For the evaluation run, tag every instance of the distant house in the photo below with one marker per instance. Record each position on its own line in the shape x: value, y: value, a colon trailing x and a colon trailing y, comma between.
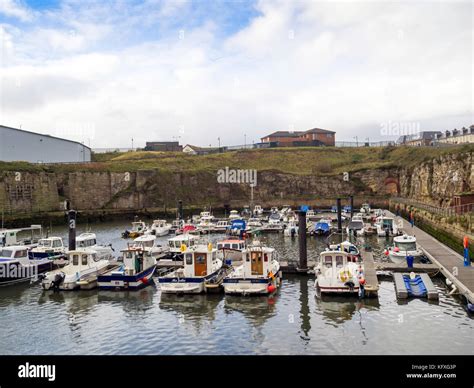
x: 311, y: 137
x: 424, y: 138
x: 172, y: 146
x: 464, y: 135
x: 195, y: 150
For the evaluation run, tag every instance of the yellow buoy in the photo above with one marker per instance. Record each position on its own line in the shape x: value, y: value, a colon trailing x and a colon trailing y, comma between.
x: 183, y: 247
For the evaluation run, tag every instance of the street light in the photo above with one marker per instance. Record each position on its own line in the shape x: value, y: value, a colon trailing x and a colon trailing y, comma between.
x: 245, y: 140
x: 132, y: 144
x: 357, y: 141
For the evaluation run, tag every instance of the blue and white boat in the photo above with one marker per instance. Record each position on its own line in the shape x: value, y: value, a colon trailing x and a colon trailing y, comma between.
x: 259, y: 273
x: 16, y: 267
x: 138, y: 266
x: 51, y: 248
x: 322, y: 227
x: 201, y: 267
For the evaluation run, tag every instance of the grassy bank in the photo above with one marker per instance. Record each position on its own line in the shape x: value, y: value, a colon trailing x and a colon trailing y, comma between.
x: 301, y: 161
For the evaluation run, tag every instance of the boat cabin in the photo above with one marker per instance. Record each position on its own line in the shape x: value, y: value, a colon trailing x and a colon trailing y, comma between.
x: 14, y: 252
x: 83, y: 259
x: 334, y: 259
x: 182, y: 241
x: 345, y: 246
x: 143, y: 242
x: 234, y: 245
x: 158, y: 224
x: 355, y: 225
x: 21, y: 236
x: 199, y: 260
x: 85, y: 240
x: 137, y: 259
x: 385, y: 222
x: 257, y: 260
x: 138, y: 226
x: 51, y: 243
x: 405, y: 243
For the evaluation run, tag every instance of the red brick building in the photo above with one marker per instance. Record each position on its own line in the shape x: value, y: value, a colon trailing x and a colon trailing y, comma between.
x: 311, y: 137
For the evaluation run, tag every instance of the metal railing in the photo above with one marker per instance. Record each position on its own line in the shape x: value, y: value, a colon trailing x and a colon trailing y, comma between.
x: 442, y: 211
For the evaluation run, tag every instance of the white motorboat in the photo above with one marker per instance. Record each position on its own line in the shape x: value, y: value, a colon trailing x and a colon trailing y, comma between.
x: 355, y: 227
x: 346, y: 246
x: 338, y: 272
x: 234, y: 215
x: 89, y: 241
x: 139, y: 261
x: 28, y: 237
x: 258, y: 274
x: 365, y: 209
x: 386, y: 226
x: 254, y: 223
x: 178, y: 244
x: 222, y: 226
x: 322, y: 227
x: 206, y: 219
x: 138, y: 228
x: 16, y: 266
x: 84, y: 267
x: 311, y: 215
x: 50, y: 247
x: 291, y: 229
x: 257, y: 211
x: 160, y: 228
x: 201, y: 266
x: 403, y: 247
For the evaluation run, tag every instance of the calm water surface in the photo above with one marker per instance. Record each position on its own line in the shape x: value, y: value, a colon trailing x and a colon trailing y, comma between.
x: 292, y: 322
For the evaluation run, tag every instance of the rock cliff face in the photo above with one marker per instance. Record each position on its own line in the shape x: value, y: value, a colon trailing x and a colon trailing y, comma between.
x: 435, y: 181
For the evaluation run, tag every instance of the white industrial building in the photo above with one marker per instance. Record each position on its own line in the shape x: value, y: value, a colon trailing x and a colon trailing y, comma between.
x: 20, y: 145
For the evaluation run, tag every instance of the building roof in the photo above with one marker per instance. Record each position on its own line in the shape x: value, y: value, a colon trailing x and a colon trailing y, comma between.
x: 44, y: 135
x: 297, y: 133
x: 196, y: 148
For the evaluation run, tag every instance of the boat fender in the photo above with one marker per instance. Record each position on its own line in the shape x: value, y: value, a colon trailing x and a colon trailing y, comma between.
x: 271, y: 288
x: 350, y: 284
x: 470, y: 307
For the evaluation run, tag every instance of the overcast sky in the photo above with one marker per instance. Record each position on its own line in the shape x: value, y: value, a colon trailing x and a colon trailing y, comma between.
x: 103, y: 72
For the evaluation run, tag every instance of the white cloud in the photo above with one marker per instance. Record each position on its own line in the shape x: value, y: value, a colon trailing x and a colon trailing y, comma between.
x: 342, y: 66
x: 15, y: 9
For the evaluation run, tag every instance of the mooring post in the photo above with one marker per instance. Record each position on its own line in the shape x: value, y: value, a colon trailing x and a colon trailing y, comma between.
x: 352, y: 205
x: 180, y: 209
x: 303, y: 263
x: 339, y: 217
x: 71, y: 221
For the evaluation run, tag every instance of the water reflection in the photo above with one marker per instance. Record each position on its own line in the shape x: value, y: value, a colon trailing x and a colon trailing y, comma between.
x: 132, y: 302
x: 338, y: 309
x: 256, y: 309
x: 195, y: 308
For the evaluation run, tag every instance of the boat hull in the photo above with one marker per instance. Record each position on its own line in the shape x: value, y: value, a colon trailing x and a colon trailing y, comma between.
x: 255, y: 286
x: 13, y: 273
x: 125, y: 282
x: 182, y: 285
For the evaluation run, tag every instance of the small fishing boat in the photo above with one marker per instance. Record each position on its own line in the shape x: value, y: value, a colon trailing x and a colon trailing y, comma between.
x: 257, y: 211
x: 230, y: 251
x: 338, y: 272
x: 206, y: 219
x: 346, y: 246
x: 201, y: 267
x: 179, y: 243
x: 138, y: 228
x: 234, y: 215
x: 246, y: 212
x: 160, y: 228
x: 386, y: 226
x: 254, y: 223
x: 137, y: 268
x: 188, y: 228
x: 291, y: 230
x: 81, y: 272
x: 259, y: 274
x: 28, y: 237
x: 17, y: 267
x: 50, y: 247
x: 274, y: 223
x: 403, y: 247
x: 311, y: 215
x: 323, y: 227
x: 89, y: 241
x: 221, y: 226
x: 355, y: 227
x: 365, y: 209
x: 176, y: 225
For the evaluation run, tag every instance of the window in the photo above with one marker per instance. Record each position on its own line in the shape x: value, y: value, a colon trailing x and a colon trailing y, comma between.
x: 189, y: 258
x: 248, y: 257
x: 75, y: 260
x: 84, y: 260
x: 265, y: 257
x: 20, y: 254
x: 57, y: 244
x: 328, y: 261
x: 339, y: 261
x: 235, y: 246
x: 6, y: 253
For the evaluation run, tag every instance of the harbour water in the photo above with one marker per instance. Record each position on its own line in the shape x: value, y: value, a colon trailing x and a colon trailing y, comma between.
x: 294, y: 321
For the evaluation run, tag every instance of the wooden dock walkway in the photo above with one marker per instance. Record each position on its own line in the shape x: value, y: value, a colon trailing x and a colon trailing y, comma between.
x: 371, y: 281
x: 449, y: 262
